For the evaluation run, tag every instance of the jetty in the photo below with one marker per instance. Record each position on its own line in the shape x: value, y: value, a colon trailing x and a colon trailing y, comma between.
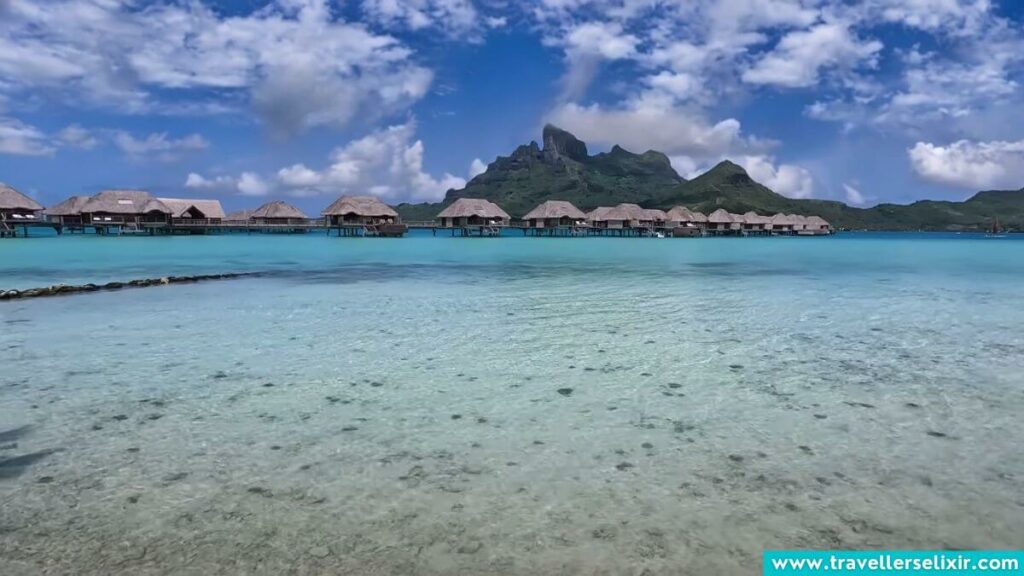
x: 119, y: 212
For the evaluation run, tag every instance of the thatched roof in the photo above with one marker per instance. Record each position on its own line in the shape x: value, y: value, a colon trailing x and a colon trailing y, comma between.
x: 11, y: 199
x: 817, y: 222
x: 781, y: 219
x: 653, y: 215
x: 755, y: 218
x: 679, y: 214
x: 555, y: 209
x: 124, y: 202
x: 70, y: 207
x: 699, y: 217
x: 720, y: 216
x: 239, y: 215
x: 466, y: 207
x: 180, y: 206
x: 634, y: 210
x: 277, y: 209
x: 360, y: 206
x: 605, y: 214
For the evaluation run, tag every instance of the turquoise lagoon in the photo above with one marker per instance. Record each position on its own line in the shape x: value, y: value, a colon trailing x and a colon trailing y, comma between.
x: 507, y: 406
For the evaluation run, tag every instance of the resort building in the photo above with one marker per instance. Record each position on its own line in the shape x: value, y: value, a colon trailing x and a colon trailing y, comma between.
x: 278, y: 212
x: 238, y: 216
x: 799, y: 223
x: 754, y: 223
x: 781, y: 224
x: 188, y: 211
x: 359, y: 211
x: 679, y: 216
x: 720, y: 222
x: 649, y: 218
x: 473, y: 212
x: 68, y: 212
x: 17, y: 208
x: 684, y: 223
x: 555, y: 214
x: 817, y: 225
x: 614, y: 218
x: 699, y: 219
x: 125, y: 209
x: 363, y: 216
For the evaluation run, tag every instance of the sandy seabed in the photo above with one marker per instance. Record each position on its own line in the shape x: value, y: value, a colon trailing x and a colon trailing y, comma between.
x: 585, y: 429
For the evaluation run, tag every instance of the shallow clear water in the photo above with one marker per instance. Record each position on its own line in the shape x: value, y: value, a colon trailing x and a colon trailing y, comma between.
x: 404, y: 406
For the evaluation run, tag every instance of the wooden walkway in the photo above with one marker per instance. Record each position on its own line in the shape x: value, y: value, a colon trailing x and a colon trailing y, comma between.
x: 11, y: 229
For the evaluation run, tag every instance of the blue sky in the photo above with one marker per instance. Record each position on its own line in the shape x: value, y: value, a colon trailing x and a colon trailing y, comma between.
x: 246, y: 100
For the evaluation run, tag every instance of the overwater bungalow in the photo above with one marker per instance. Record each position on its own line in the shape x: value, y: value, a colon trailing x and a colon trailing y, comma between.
x: 799, y: 223
x: 636, y: 213
x: 610, y: 218
x: 126, y: 210
x: 474, y: 215
x: 650, y: 218
x: 278, y: 212
x: 16, y: 208
x: 817, y: 225
x: 699, y: 219
x: 683, y: 223
x: 186, y: 212
x: 781, y: 224
x: 363, y: 216
x: 737, y: 223
x: 359, y: 211
x: 720, y: 222
x: 238, y: 217
x: 68, y: 212
x: 679, y: 216
x: 553, y: 214
x: 754, y: 223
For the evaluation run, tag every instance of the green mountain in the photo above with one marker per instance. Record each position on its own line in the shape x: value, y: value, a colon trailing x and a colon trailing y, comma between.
x: 563, y: 170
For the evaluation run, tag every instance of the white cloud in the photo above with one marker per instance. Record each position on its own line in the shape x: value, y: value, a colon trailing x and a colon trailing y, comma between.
x: 646, y: 124
x: 476, y: 168
x: 20, y: 139
x: 786, y: 179
x: 854, y: 196
x: 159, y: 144
x: 250, y: 184
x: 957, y: 16
x: 799, y: 57
x: 605, y: 39
x: 496, y: 21
x: 970, y: 164
x: 197, y: 181
x: 77, y: 137
x: 452, y: 16
x: 298, y: 176
x: 295, y: 61
x: 937, y: 88
x: 386, y: 163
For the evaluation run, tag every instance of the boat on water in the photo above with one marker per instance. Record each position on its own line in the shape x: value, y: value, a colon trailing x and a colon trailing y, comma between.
x: 995, y: 232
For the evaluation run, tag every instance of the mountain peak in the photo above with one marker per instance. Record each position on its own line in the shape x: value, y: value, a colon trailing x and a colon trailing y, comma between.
x: 727, y: 167
x: 559, y: 143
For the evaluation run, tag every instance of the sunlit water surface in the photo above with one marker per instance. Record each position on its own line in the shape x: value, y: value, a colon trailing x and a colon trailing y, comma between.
x: 507, y: 406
